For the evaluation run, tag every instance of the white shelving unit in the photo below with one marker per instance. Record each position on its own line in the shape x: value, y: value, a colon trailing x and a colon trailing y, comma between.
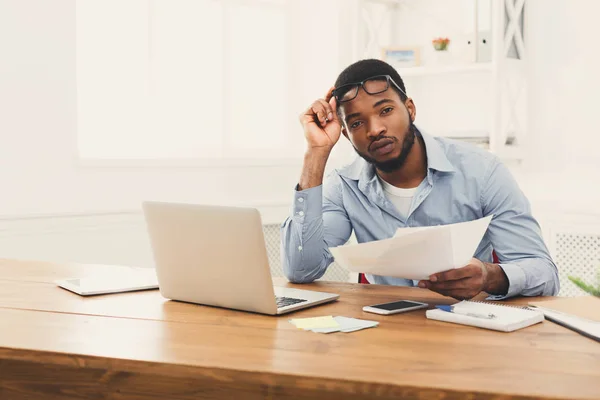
x: 446, y: 70
x: 493, y: 91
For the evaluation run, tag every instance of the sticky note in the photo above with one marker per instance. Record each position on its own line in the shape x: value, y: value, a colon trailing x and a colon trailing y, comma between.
x: 315, y: 322
x: 354, y: 324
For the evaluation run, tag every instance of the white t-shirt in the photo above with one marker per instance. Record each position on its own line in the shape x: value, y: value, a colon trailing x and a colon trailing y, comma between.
x: 401, y: 198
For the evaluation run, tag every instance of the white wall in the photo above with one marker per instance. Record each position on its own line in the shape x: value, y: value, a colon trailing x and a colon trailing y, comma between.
x: 564, y: 65
x: 561, y: 170
x: 452, y: 104
x: 40, y: 174
x: 39, y: 170
x: 562, y: 167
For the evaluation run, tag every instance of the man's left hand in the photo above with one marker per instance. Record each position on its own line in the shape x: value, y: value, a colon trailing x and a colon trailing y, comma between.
x: 468, y: 281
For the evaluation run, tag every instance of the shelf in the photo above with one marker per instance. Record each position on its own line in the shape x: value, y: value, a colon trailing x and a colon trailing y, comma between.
x: 386, y: 2
x: 446, y: 69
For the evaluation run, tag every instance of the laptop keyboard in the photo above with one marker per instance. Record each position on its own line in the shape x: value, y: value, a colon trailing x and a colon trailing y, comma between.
x: 287, y: 301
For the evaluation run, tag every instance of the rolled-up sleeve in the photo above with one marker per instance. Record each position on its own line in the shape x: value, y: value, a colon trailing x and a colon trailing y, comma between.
x: 516, y: 237
x: 318, y: 221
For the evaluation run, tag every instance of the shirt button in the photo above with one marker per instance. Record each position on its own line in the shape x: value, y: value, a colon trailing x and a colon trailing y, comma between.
x: 300, y: 200
x: 301, y: 213
x: 299, y: 248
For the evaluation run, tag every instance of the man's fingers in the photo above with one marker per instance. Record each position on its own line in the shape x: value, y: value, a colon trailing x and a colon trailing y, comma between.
x: 319, y: 113
x: 329, y: 94
x: 332, y: 101
x: 457, y: 294
x: 310, y: 117
x: 446, y: 285
x: 333, y: 105
x: 451, y: 285
x: 455, y: 274
x: 307, y: 116
x: 460, y: 283
x: 329, y: 111
x: 323, y: 111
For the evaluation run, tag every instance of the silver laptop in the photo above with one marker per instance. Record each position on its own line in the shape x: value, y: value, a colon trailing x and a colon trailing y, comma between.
x: 123, y: 279
x: 216, y: 255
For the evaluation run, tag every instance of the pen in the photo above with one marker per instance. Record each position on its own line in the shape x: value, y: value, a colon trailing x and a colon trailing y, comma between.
x: 455, y: 310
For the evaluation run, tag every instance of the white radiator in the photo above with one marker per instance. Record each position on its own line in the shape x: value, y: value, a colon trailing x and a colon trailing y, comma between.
x: 574, y: 243
x: 105, y: 238
x: 576, y: 254
x: 272, y: 237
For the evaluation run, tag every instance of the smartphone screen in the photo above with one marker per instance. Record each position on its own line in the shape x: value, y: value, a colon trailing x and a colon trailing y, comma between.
x: 396, y: 305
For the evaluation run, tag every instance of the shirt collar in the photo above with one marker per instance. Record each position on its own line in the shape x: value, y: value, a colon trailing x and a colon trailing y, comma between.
x: 364, y: 172
x: 436, y: 156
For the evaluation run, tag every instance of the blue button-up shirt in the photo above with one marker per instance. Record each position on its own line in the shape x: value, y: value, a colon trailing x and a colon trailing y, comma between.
x: 463, y: 183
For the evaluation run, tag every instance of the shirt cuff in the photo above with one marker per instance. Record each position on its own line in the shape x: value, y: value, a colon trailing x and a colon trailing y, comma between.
x: 308, y: 204
x: 516, y: 281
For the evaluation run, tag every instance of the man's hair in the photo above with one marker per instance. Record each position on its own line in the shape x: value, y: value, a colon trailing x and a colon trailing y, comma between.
x: 363, y: 69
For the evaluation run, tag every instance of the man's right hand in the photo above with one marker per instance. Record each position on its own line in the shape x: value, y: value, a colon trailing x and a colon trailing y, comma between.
x: 321, y: 124
x: 322, y: 130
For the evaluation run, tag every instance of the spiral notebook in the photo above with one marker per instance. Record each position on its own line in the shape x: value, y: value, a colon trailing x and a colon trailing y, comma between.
x: 506, y: 318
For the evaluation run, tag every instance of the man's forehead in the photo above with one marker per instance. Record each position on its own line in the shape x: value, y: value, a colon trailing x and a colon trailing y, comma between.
x: 366, y: 102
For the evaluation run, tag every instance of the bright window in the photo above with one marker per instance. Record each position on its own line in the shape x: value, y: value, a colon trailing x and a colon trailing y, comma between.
x: 197, y: 79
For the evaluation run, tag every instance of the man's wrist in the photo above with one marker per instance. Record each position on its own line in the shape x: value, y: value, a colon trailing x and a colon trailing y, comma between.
x: 496, y: 282
x: 317, y: 153
x: 315, y: 160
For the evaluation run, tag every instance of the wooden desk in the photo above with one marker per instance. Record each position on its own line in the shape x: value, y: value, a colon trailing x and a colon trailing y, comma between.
x: 57, y: 345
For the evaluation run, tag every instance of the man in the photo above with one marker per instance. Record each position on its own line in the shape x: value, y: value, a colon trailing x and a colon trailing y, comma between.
x: 406, y: 178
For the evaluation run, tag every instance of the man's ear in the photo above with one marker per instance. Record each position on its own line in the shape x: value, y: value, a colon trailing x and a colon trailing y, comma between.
x: 340, y: 117
x: 412, y: 109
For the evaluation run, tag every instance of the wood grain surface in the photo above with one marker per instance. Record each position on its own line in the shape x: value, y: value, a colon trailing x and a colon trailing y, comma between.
x: 57, y: 345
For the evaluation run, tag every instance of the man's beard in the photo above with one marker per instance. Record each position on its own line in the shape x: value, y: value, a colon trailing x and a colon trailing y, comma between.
x: 395, y: 163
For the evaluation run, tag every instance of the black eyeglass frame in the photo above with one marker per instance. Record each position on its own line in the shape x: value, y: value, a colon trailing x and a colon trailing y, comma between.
x: 347, y: 87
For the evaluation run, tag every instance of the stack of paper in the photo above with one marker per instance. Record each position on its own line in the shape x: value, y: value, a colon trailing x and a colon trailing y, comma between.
x: 581, y: 314
x: 415, y: 253
x: 331, y: 324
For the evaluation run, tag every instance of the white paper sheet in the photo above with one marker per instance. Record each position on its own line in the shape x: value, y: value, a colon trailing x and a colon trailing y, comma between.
x: 347, y: 325
x: 584, y: 326
x: 415, y: 253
